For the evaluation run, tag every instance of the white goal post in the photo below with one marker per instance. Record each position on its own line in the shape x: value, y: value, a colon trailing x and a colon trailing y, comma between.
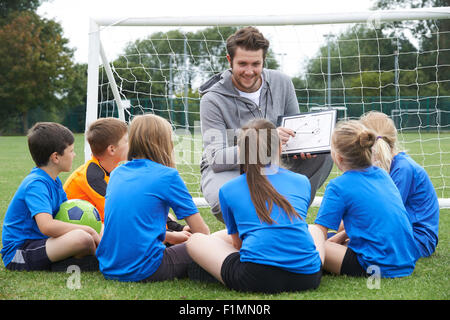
x: 105, y: 77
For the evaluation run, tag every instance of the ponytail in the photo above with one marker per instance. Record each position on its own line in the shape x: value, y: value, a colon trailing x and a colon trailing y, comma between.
x: 258, y: 147
x: 386, y: 145
x: 354, y: 142
x: 382, y: 154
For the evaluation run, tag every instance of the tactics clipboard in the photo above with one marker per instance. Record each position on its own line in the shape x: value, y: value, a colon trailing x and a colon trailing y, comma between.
x: 313, y: 132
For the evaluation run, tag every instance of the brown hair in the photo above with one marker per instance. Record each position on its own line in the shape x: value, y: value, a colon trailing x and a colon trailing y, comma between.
x: 150, y: 137
x: 353, y: 141
x: 105, y: 132
x: 45, y: 138
x: 386, y: 145
x: 248, y: 38
x: 259, y: 146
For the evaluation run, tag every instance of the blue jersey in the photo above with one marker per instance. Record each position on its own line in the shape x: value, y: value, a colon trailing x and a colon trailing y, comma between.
x: 138, y: 198
x: 375, y: 220
x: 38, y: 193
x: 285, y: 244
x: 420, y: 200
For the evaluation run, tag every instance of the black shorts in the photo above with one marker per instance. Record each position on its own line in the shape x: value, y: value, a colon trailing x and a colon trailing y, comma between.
x: 253, y: 277
x: 174, y: 264
x: 350, y: 265
x: 31, y: 256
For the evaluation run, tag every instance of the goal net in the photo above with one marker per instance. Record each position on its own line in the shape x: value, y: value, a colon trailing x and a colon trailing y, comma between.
x: 397, y: 62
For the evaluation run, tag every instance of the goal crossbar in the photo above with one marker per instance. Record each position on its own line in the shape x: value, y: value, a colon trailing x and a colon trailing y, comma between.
x: 300, y: 19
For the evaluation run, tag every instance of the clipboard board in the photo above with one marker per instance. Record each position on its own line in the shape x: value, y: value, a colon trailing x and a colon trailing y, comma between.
x: 313, y: 132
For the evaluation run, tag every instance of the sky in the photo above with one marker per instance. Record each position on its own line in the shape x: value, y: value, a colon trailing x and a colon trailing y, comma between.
x: 74, y: 15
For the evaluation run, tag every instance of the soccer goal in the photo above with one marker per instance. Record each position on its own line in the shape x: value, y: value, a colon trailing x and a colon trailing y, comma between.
x: 391, y: 61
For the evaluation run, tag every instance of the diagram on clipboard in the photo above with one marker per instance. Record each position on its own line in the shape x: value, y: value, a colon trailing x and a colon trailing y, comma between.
x: 313, y: 132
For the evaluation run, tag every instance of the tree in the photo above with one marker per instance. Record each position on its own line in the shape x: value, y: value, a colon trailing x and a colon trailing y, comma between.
x: 35, y: 64
x: 156, y: 72
x: 432, y: 34
x: 8, y: 7
x: 164, y: 61
x: 363, y: 65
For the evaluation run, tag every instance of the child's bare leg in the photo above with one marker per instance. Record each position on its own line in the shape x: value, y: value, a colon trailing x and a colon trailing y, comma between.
x: 209, y: 252
x: 76, y: 243
x: 223, y: 234
x: 334, y: 255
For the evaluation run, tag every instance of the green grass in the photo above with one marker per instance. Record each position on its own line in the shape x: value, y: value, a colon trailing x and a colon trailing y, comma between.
x: 430, y: 279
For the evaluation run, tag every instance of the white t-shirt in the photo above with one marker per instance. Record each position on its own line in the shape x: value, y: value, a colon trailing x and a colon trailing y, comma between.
x: 253, y: 96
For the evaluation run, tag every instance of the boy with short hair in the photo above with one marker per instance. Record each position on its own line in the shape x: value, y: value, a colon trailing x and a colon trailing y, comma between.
x: 32, y: 239
x: 108, y: 139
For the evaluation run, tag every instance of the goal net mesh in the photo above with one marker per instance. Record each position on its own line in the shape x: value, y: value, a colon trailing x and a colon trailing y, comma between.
x: 399, y: 68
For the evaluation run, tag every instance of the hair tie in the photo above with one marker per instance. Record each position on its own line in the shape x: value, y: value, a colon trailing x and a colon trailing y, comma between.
x: 379, y: 137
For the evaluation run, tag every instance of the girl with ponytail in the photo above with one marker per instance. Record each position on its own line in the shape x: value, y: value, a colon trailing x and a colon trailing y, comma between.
x: 268, y: 246
x: 378, y: 236
x: 417, y: 191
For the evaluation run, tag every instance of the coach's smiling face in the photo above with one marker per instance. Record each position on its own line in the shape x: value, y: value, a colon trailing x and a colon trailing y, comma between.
x: 246, y: 68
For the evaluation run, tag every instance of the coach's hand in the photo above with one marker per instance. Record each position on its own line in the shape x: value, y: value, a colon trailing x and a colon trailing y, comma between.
x: 285, y: 134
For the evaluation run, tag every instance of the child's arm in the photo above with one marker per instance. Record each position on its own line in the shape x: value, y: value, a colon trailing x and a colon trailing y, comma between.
x: 176, y: 237
x: 197, y: 224
x: 55, y: 228
x: 237, y: 242
x: 323, y: 229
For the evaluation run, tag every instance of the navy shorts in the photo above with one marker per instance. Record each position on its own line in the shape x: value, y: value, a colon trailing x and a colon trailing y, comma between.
x: 174, y: 264
x: 253, y: 277
x: 31, y: 256
x: 350, y: 265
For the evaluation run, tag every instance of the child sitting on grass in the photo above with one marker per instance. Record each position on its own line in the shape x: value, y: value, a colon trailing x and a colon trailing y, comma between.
x: 366, y: 199
x: 138, y: 198
x: 269, y: 247
x: 108, y: 139
x: 417, y: 191
x: 32, y: 239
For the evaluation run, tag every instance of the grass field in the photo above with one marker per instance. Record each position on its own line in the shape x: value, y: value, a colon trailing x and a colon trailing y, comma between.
x: 430, y: 279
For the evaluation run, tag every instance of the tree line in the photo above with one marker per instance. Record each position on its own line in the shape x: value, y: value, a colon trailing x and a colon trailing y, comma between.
x: 38, y: 70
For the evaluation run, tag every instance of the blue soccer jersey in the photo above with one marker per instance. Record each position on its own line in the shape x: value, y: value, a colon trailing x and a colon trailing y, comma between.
x: 375, y: 220
x: 285, y: 244
x: 420, y: 200
x: 38, y: 193
x: 138, y: 198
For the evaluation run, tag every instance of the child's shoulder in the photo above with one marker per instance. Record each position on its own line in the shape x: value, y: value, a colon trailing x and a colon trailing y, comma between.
x: 39, y: 181
x: 287, y: 174
x: 37, y: 174
x: 404, y: 159
x: 146, y: 166
x: 352, y: 176
x: 234, y: 184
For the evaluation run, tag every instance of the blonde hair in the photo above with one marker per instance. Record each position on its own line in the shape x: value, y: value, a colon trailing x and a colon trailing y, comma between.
x: 259, y: 146
x: 386, y: 145
x: 150, y: 137
x: 353, y: 141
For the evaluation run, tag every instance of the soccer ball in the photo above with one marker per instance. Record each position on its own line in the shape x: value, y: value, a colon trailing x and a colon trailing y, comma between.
x: 80, y: 212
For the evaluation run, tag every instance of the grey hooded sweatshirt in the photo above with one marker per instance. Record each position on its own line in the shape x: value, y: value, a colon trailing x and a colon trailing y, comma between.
x: 223, y: 111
